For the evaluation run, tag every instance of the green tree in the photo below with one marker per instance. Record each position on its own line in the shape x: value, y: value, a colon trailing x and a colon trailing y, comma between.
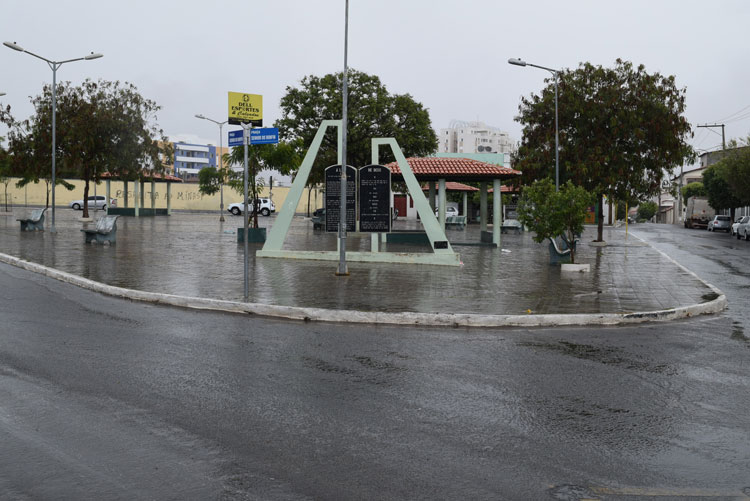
x: 5, y: 171
x: 716, y: 180
x: 695, y: 189
x: 372, y: 112
x: 550, y: 214
x: 102, y: 127
x: 620, y: 129
x: 735, y: 170
x: 209, y: 180
x: 647, y: 210
x: 29, y: 152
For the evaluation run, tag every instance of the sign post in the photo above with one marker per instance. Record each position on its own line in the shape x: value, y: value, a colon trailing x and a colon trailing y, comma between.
x: 246, y: 110
x: 245, y: 213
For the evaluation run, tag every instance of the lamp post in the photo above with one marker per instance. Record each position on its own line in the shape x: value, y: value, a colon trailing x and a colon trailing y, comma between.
x: 221, y: 162
x: 521, y: 62
x: 53, y: 65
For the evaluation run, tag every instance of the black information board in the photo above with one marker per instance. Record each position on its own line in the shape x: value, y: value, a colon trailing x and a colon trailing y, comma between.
x: 333, y: 198
x: 375, y: 199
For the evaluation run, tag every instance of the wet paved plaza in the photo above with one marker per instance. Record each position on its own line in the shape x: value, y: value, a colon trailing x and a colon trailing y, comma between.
x: 193, y: 254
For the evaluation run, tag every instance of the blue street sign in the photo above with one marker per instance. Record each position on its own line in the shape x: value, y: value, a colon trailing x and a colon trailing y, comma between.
x: 235, y: 138
x: 267, y: 135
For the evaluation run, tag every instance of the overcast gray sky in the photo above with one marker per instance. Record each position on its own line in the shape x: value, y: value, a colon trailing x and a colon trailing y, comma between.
x: 450, y: 55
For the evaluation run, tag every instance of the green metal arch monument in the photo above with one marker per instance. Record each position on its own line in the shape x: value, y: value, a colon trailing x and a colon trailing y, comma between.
x: 442, y: 252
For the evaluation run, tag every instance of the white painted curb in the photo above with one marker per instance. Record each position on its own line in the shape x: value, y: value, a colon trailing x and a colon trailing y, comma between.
x: 373, y: 317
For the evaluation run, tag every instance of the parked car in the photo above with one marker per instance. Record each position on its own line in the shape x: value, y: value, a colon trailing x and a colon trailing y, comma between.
x: 743, y: 230
x: 95, y: 202
x: 740, y: 220
x: 265, y: 206
x: 720, y: 223
x: 450, y: 210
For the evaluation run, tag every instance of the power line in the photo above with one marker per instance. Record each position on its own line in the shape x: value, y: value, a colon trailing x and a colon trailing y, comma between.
x: 733, y: 114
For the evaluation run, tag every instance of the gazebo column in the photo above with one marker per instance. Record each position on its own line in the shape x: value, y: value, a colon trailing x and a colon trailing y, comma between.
x: 169, y: 198
x: 483, y: 206
x: 497, y: 203
x: 136, y: 185
x: 153, y: 194
x: 431, y: 194
x: 108, y: 192
x: 441, y: 202
x: 466, y: 206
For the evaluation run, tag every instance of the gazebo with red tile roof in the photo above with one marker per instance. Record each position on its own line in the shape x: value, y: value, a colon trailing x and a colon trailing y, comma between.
x: 445, y: 170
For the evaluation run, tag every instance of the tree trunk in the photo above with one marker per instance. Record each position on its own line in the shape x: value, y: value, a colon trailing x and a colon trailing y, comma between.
x: 46, y: 183
x: 600, y: 219
x: 86, y: 198
x: 309, y: 190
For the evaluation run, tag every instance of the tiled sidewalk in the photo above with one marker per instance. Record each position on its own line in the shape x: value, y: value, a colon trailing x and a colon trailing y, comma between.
x: 196, y: 255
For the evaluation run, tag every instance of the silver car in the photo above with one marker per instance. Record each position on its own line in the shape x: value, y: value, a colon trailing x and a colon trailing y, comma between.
x: 736, y: 224
x: 720, y: 223
x: 743, y: 230
x: 95, y: 202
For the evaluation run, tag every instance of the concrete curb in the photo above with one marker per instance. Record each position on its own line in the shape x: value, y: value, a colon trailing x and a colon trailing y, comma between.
x: 371, y: 317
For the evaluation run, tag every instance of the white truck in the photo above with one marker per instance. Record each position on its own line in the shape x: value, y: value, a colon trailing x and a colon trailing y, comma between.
x: 698, y: 213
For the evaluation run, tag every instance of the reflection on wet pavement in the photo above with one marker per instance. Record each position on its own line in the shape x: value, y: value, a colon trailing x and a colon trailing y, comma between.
x: 196, y: 255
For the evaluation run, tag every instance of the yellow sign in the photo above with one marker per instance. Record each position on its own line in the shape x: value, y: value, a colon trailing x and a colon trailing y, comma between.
x: 245, y: 108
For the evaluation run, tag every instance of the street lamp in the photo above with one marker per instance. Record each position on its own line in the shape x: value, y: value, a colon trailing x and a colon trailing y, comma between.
x: 221, y: 163
x: 54, y: 65
x: 521, y: 62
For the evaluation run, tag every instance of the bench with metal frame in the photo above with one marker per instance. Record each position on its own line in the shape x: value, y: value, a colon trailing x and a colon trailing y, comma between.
x: 560, y: 253
x: 33, y: 222
x: 105, y: 231
x: 458, y: 221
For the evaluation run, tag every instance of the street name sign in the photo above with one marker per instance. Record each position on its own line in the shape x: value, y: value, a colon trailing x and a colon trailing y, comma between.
x: 267, y: 135
x: 235, y: 138
x: 245, y: 109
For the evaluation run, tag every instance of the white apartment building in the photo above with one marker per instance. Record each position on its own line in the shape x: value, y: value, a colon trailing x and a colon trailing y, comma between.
x: 473, y: 137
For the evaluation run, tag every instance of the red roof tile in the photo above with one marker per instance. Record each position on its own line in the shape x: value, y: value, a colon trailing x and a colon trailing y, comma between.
x: 454, y: 186
x: 430, y: 168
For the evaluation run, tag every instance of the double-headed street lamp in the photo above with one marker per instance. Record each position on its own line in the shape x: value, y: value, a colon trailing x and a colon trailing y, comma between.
x: 521, y: 62
x: 54, y: 65
x: 221, y: 162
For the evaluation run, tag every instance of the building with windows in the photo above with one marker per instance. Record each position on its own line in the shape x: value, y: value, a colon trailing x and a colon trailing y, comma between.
x: 473, y: 137
x: 189, y: 159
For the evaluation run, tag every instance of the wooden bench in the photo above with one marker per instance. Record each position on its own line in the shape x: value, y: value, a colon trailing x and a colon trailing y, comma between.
x: 458, y: 221
x: 511, y: 225
x: 105, y: 231
x: 33, y: 222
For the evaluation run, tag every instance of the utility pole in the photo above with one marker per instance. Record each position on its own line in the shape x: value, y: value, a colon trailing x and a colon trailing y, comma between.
x: 710, y: 126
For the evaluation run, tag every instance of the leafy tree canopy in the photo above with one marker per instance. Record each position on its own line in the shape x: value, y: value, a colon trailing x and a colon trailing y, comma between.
x: 372, y: 112
x: 734, y: 169
x: 102, y: 127
x: 620, y: 129
x: 647, y: 210
x: 717, y: 183
x: 693, y: 190
x: 549, y: 213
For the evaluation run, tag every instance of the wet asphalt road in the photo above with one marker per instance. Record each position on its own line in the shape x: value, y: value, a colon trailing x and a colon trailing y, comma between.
x: 103, y: 398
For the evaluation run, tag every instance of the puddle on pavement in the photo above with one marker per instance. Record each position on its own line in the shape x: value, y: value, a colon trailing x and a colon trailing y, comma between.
x: 606, y: 356
x: 738, y: 333
x: 710, y: 296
